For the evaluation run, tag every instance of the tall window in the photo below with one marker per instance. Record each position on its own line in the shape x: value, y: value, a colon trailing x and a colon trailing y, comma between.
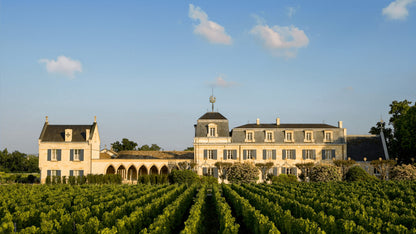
x: 77, y: 152
x: 212, y: 130
x: 308, y: 154
x: 54, y: 172
x: 249, y: 136
x: 269, y: 154
x: 328, y: 136
x: 269, y: 136
x: 229, y: 154
x: 54, y: 155
x: 76, y: 172
x: 308, y: 136
x: 210, y: 154
x: 289, y: 136
x: 250, y: 154
x: 289, y: 154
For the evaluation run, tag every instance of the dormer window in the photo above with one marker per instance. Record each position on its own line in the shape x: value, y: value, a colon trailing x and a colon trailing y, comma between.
x: 249, y: 136
x: 289, y: 136
x: 308, y: 136
x: 269, y: 136
x: 212, y: 130
x: 328, y: 136
x: 68, y: 135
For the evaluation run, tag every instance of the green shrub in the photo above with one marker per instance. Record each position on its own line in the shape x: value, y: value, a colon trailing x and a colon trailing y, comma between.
x: 243, y: 173
x: 324, y: 173
x: 357, y: 173
x: 183, y: 177
x: 209, y: 180
x: 48, y: 180
x: 284, y: 178
x: 403, y: 172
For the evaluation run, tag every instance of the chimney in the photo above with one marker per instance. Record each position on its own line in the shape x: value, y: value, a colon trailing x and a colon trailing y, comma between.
x: 68, y: 135
x: 95, y: 119
x: 258, y: 121
x: 46, y: 121
x: 277, y: 121
x: 87, y: 134
x: 339, y: 124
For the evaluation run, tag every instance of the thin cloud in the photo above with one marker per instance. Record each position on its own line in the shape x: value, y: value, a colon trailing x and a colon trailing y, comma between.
x: 291, y: 11
x: 62, y: 65
x: 397, y: 10
x: 210, y: 30
x: 281, y: 41
x: 221, y: 82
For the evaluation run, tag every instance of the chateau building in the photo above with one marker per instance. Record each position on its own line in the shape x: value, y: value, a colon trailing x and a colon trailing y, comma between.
x: 74, y: 150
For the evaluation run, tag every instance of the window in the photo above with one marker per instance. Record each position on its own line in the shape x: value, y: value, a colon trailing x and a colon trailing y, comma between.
x: 229, y: 154
x: 249, y: 136
x: 269, y: 154
x: 289, y: 136
x: 308, y: 154
x: 289, y: 170
x: 308, y: 136
x: 210, y: 154
x: 77, y: 152
x: 76, y: 173
x: 54, y: 172
x: 328, y: 154
x: 54, y: 155
x: 327, y: 136
x: 269, y: 136
x: 250, y: 154
x: 212, y: 130
x: 289, y: 154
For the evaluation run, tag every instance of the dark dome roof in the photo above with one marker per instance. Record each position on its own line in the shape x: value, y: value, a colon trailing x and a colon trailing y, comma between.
x: 212, y: 115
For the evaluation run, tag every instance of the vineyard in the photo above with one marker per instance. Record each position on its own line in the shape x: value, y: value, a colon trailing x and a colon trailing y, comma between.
x: 367, y: 207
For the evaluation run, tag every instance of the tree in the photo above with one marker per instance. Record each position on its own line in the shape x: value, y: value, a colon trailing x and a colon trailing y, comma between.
x: 223, y: 168
x: 144, y: 148
x: 183, y: 176
x: 403, y: 172
x: 357, y: 173
x: 324, y: 173
x: 388, y: 134
x: 305, y: 168
x: 189, y: 149
x: 242, y: 173
x: 155, y: 147
x: 264, y: 168
x: 344, y: 165
x: 125, y: 144
x: 18, y: 162
x: 383, y: 167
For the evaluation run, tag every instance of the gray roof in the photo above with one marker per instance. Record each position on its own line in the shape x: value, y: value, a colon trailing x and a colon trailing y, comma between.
x: 135, y: 154
x: 369, y: 146
x: 212, y: 115
x: 56, y: 133
x: 286, y: 126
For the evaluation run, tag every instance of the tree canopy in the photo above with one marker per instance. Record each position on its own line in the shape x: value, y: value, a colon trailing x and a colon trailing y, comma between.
x: 18, y: 162
x: 126, y: 144
x: 401, y: 139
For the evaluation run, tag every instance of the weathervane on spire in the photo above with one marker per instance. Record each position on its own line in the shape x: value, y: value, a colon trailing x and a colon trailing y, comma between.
x: 212, y: 99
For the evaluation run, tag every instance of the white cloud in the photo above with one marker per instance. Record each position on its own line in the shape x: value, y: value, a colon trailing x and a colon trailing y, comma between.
x: 397, y: 10
x: 221, y: 82
x: 282, y: 41
x: 62, y: 65
x: 210, y: 30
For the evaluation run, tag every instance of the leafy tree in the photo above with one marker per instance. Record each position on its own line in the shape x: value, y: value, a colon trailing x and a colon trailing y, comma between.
x: 305, y: 169
x: 357, y: 173
x: 183, y: 177
x: 153, y: 147
x: 344, y: 165
x: 223, y: 167
x: 403, y: 172
x: 388, y: 135
x: 189, y: 149
x: 242, y: 173
x: 18, y: 162
x: 383, y: 167
x: 324, y: 173
x: 264, y: 168
x: 125, y: 144
x: 144, y: 148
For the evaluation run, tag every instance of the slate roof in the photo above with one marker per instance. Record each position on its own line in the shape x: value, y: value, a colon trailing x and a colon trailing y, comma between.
x: 56, y: 133
x: 369, y: 146
x: 212, y: 115
x: 155, y: 155
x: 307, y: 125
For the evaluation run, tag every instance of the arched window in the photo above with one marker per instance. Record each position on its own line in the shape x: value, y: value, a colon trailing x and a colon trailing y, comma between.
x: 212, y: 130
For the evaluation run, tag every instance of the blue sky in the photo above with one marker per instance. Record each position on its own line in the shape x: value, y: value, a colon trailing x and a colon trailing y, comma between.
x: 146, y: 68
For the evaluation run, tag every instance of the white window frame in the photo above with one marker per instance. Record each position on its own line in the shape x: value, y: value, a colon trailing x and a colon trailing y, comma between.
x: 309, y: 154
x: 267, y: 138
x: 306, y: 136
x: 290, y: 154
x: 210, y: 154
x: 250, y: 136
x: 250, y: 154
x: 331, y: 136
x: 229, y: 154
x: 76, y: 172
x: 54, y: 155
x: 291, y: 138
x: 328, y: 154
x: 54, y: 172
x: 77, y: 153
x: 269, y: 154
x: 212, y: 130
